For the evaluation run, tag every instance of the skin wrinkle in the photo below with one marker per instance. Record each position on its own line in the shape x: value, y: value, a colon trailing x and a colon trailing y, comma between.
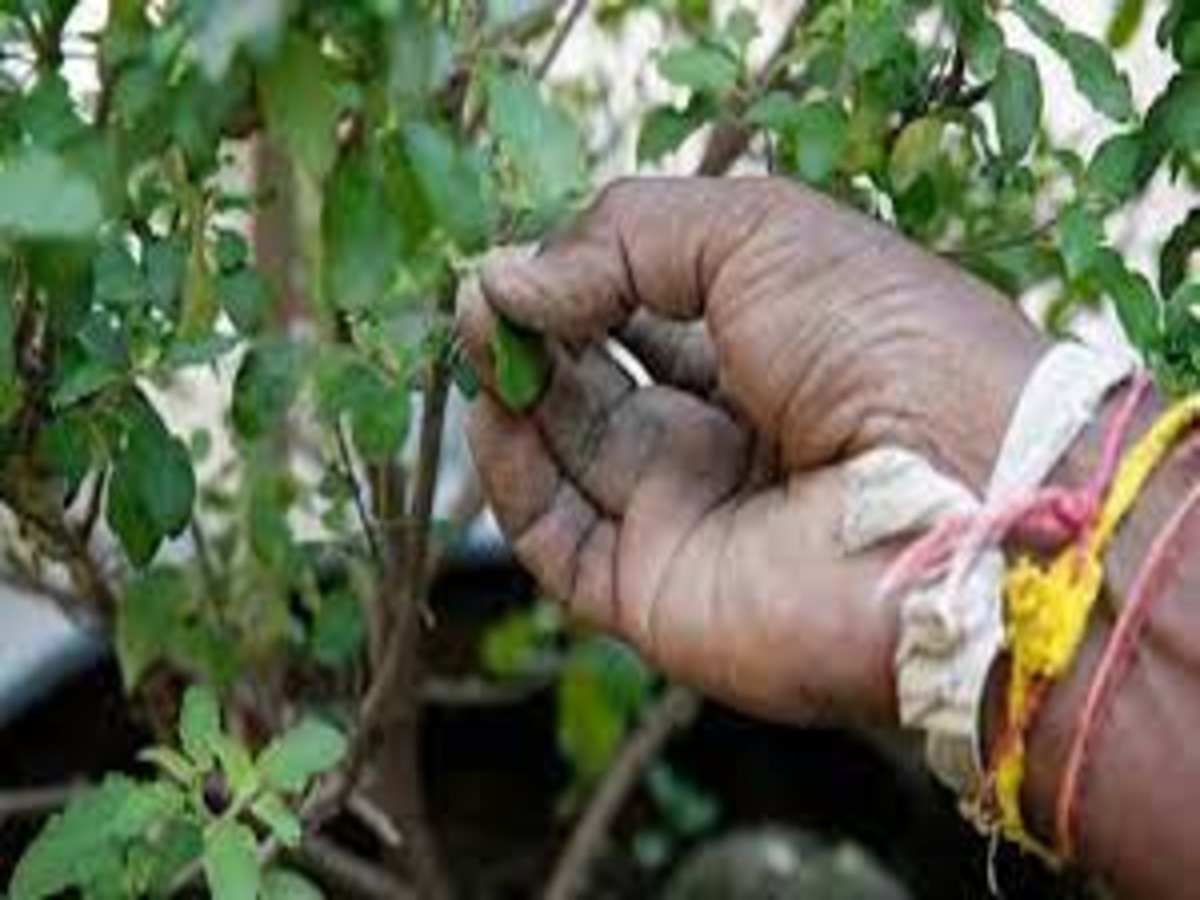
x: 729, y: 671
x: 842, y: 325
x: 577, y: 560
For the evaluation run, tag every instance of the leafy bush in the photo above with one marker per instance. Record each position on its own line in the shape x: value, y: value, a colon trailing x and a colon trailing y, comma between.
x: 285, y: 560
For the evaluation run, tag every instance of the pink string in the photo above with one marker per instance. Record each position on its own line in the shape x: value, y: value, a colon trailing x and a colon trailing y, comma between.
x: 1114, y: 664
x: 1049, y: 516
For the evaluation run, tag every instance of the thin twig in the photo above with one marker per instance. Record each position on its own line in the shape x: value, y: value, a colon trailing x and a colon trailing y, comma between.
x: 676, y: 710
x: 354, y: 875
x: 574, y: 14
x: 356, y: 493
x: 1007, y: 242
x: 730, y: 138
x: 33, y: 802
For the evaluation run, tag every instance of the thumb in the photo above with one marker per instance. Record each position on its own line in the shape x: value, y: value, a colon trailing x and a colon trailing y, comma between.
x: 655, y: 243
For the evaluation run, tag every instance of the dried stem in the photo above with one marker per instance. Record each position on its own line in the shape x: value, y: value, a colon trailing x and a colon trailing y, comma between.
x: 673, y: 712
x: 356, y: 493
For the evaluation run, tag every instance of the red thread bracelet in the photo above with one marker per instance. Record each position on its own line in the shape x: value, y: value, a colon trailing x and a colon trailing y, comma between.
x: 1118, y: 656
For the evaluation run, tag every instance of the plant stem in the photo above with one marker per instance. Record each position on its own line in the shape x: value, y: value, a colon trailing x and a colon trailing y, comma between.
x: 356, y: 493
x: 673, y: 712
x: 574, y: 14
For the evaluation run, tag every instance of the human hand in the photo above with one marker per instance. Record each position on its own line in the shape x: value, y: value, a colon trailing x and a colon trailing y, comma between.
x: 698, y: 517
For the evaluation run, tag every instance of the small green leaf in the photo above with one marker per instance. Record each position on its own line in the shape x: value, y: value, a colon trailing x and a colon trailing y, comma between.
x: 1136, y: 304
x: 284, y: 884
x: 231, y: 862
x: 1174, y: 261
x: 699, y: 67
x: 200, y: 725
x: 265, y: 386
x: 84, y: 380
x: 539, y: 140
x: 1173, y: 121
x: 916, y: 152
x: 246, y: 298
x: 1114, y: 172
x: 454, y: 183
x: 117, y: 278
x: 148, y: 619
x: 309, y: 749
x: 1016, y: 97
x: 1092, y: 66
x: 663, y: 131
x: 302, y: 101
x: 363, y: 240
x: 273, y: 812
x: 1080, y: 237
x: 377, y: 406
x: 873, y: 33
x: 237, y: 766
x: 174, y: 764
x: 40, y: 197
x: 338, y: 630
x: 1124, y: 24
x: 522, y: 365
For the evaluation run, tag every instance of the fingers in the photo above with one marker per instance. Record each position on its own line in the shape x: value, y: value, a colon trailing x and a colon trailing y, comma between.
x: 556, y: 532
x: 680, y: 354
x: 657, y: 243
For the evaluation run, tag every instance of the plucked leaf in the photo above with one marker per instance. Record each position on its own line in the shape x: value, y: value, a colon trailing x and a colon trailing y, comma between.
x: 522, y: 365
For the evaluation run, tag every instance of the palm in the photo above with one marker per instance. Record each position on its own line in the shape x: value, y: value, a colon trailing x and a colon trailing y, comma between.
x: 698, y: 517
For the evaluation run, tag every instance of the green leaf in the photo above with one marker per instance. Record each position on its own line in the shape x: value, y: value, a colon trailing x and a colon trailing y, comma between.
x: 700, y: 67
x: 84, y: 380
x: 284, y: 884
x: 117, y: 278
x: 148, y: 618
x: 165, y: 261
x: 200, y: 725
x: 152, y: 489
x: 231, y: 862
x: 363, y: 240
x: 1016, y: 97
x: 82, y: 841
x: 1092, y: 66
x: 454, y: 183
x: 1136, y: 304
x: 228, y: 25
x: 338, y: 630
x: 916, y: 152
x: 309, y: 749
x: 174, y: 764
x: 600, y: 692
x: 1173, y: 121
x: 522, y: 365
x: 821, y: 134
x: 237, y: 766
x: 1174, y: 262
x: 1080, y: 237
x: 265, y: 386
x: 302, y: 102
x: 665, y: 128
x: 873, y: 33
x: 1124, y: 24
x: 377, y: 407
x: 540, y: 140
x: 246, y: 298
x: 1114, y: 172
x: 273, y: 812
x: 40, y: 197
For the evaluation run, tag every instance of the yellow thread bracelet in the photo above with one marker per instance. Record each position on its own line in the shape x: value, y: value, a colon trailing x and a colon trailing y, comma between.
x: 1047, y: 609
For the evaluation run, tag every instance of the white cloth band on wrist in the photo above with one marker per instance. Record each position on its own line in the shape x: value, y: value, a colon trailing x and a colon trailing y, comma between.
x: 951, y: 628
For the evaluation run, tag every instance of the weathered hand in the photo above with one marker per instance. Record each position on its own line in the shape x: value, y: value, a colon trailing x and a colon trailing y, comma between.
x: 698, y: 517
